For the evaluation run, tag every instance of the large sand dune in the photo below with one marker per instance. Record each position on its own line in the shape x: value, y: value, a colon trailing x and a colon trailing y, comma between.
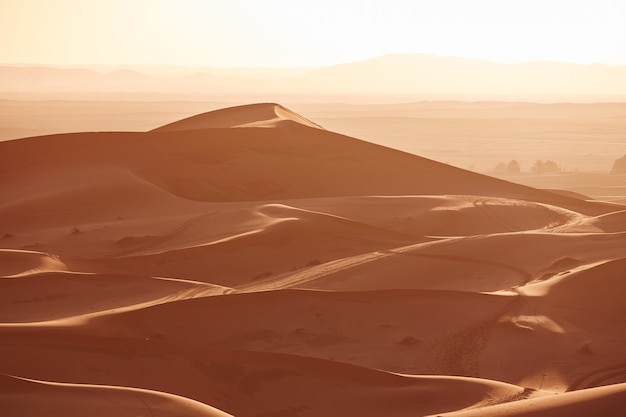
x: 249, y: 262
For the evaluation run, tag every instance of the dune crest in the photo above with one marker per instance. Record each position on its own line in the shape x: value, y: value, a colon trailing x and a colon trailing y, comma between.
x: 252, y: 115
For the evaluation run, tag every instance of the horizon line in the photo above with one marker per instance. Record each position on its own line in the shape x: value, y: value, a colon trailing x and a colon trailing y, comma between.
x: 311, y: 67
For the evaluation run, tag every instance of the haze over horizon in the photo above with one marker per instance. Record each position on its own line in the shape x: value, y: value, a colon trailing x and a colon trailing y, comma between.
x: 307, y: 34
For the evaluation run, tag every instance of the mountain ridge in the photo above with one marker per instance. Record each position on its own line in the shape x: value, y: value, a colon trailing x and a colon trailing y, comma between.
x: 398, y: 74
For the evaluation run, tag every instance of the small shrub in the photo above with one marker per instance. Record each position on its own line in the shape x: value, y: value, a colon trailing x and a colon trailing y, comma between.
x: 513, y: 166
x: 500, y: 168
x: 545, y: 167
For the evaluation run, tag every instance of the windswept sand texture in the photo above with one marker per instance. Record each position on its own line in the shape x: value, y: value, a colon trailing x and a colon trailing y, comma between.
x: 249, y: 262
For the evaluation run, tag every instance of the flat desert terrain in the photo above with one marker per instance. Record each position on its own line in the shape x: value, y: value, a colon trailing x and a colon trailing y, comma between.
x: 250, y: 261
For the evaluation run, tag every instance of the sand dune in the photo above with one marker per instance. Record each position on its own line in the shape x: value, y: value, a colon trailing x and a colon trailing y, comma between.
x: 605, y: 401
x: 241, y: 382
x: 226, y: 164
x: 248, y: 262
x: 475, y: 263
x: 26, y: 397
x: 395, y: 330
x: 602, y: 282
x: 445, y: 215
x: 49, y: 296
x: 391, y: 330
x: 263, y: 235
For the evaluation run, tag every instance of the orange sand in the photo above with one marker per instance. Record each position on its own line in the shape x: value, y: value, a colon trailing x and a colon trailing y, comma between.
x: 249, y: 262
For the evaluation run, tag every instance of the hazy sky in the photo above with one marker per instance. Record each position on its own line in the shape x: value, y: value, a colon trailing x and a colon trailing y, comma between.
x: 299, y: 33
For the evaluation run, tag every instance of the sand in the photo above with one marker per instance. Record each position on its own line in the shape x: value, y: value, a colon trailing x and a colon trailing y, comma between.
x: 249, y: 262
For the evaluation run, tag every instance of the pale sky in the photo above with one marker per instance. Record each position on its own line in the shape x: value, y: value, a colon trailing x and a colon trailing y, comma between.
x: 304, y: 33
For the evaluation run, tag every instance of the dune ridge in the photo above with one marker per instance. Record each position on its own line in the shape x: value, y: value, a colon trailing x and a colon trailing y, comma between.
x: 248, y: 262
x: 252, y: 115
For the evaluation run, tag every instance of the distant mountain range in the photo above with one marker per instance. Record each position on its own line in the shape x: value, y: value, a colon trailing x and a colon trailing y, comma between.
x: 411, y: 75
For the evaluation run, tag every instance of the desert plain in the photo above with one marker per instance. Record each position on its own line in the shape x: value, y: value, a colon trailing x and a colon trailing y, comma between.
x: 205, y: 259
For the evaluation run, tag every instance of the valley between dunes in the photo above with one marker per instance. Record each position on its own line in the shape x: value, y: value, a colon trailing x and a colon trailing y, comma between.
x: 248, y: 262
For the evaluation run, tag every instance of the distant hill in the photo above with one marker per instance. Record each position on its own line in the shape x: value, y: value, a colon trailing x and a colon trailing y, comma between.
x: 412, y: 75
x: 429, y: 74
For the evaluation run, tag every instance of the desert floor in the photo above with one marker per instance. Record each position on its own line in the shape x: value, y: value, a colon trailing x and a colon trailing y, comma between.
x: 250, y: 261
